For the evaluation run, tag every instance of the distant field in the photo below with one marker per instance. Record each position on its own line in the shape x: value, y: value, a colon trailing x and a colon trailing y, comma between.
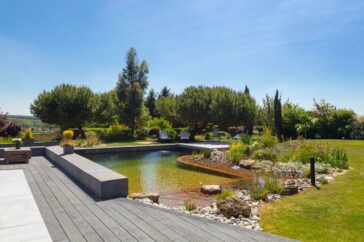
x: 29, y: 121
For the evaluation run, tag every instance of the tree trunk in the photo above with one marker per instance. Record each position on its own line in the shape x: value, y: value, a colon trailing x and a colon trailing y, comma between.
x: 82, y: 133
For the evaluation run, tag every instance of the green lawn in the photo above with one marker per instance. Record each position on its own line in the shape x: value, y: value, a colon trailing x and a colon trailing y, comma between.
x: 333, y: 213
x: 133, y: 143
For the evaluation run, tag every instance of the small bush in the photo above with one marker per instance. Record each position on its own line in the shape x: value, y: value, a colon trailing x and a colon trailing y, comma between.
x: 339, y: 158
x: 159, y: 122
x: 189, y: 206
x: 268, y: 139
x: 142, y: 133
x: 28, y: 134
x: 208, y: 136
x: 273, y: 185
x: 259, y: 193
x: 237, y: 152
x: 172, y: 133
x: 116, y: 132
x: 92, y: 139
x: 324, y: 181
x: 154, y: 132
x: 225, y: 194
x: 246, y: 139
x: 265, y: 154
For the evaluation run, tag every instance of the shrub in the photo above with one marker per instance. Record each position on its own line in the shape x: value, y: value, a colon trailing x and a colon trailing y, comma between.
x: 162, y: 123
x: 302, y: 151
x: 237, y: 152
x: 189, y: 206
x: 339, y: 158
x: 142, y: 133
x: 246, y: 139
x: 7, y: 127
x: 116, y: 132
x: 28, y: 134
x: 92, y: 139
x: 172, y: 133
x: 225, y: 194
x: 259, y: 193
x: 208, y: 136
x: 265, y: 154
x: 268, y: 139
x: 154, y: 131
x: 273, y: 185
x: 224, y: 135
x: 324, y: 181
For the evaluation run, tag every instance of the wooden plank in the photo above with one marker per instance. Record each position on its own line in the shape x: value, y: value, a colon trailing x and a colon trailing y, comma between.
x: 130, y: 227
x: 68, y: 226
x: 175, y: 225
x: 54, y: 228
x: 147, y: 228
x: 82, y: 225
x: 105, y: 219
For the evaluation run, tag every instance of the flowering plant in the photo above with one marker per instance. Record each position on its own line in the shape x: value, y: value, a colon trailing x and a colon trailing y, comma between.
x: 67, y: 137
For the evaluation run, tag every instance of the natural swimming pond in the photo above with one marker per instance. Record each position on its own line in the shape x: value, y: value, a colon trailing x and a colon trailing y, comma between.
x: 155, y: 171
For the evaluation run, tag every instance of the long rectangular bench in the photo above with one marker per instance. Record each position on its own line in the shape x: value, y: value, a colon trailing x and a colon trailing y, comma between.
x: 99, y: 180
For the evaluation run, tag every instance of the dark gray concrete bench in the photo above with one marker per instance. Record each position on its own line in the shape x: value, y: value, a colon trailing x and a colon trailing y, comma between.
x: 99, y: 180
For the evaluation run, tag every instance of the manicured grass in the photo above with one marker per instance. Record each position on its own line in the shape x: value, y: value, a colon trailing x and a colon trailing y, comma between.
x: 333, y: 213
x: 133, y: 142
x: 6, y: 140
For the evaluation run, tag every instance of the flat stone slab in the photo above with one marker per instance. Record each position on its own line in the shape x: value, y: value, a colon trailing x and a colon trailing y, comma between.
x: 20, y: 218
x: 204, y: 146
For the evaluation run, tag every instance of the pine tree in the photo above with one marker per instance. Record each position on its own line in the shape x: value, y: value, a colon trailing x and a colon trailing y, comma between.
x: 150, y: 102
x: 130, y: 88
x: 165, y: 92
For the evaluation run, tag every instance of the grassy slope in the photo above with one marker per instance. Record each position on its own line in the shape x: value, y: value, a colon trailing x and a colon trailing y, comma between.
x: 333, y: 213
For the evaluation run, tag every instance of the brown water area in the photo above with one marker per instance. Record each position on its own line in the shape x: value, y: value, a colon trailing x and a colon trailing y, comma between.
x: 157, y: 171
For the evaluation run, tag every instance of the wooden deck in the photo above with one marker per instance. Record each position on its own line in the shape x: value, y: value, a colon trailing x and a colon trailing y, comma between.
x: 71, y: 214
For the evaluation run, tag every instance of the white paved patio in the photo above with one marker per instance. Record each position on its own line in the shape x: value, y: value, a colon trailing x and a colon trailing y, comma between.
x: 20, y: 218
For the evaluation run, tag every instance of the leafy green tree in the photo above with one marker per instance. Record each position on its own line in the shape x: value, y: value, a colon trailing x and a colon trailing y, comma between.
x: 66, y: 106
x: 130, y: 89
x: 223, y: 110
x: 106, y: 111
x: 267, y: 113
x: 150, y: 102
x: 278, y: 115
x: 295, y: 120
x: 166, y: 108
x: 193, y: 108
x: 165, y: 92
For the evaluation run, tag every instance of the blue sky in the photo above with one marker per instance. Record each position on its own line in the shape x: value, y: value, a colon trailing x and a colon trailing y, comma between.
x: 307, y: 49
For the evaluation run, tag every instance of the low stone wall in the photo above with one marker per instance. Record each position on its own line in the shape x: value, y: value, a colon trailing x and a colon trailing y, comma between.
x: 37, y: 144
x: 99, y: 180
x: 102, y: 150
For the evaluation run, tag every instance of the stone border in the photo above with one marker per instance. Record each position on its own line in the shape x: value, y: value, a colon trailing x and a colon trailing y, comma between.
x: 99, y: 180
x: 183, y: 162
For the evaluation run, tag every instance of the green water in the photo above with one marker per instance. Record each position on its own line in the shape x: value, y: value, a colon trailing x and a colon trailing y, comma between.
x: 155, y: 171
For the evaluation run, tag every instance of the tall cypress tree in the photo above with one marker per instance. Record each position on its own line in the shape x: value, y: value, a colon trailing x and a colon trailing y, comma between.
x: 150, y: 102
x: 278, y: 115
x: 246, y: 90
x: 130, y: 88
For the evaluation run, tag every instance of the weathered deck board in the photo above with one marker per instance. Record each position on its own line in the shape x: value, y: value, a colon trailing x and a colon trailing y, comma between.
x: 71, y: 214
